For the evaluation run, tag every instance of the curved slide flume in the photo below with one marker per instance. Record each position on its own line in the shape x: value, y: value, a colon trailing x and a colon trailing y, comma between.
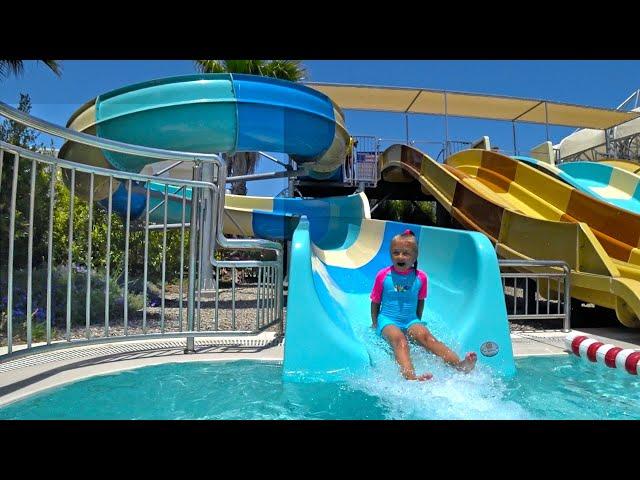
x: 529, y: 215
x: 250, y: 216
x: 328, y: 310
x: 608, y: 183
x: 211, y: 113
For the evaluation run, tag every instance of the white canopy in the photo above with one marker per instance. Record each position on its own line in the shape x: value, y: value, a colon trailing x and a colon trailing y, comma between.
x: 441, y: 102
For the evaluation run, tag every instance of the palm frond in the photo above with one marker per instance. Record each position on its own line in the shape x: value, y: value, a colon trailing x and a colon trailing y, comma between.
x: 16, y: 67
x: 291, y: 70
x: 210, y: 66
x: 11, y: 67
x: 54, y: 66
x: 251, y: 67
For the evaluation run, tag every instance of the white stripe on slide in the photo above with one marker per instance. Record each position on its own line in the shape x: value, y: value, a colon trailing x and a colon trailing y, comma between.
x: 361, y: 252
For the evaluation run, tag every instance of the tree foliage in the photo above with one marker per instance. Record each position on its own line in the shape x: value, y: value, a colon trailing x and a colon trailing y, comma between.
x: 407, y: 211
x: 17, y: 134
x: 16, y: 67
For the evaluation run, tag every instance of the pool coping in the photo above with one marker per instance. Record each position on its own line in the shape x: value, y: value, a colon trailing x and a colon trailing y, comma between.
x: 27, y: 375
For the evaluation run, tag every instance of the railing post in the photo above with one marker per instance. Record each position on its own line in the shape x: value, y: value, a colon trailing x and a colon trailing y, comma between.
x: 280, y: 292
x: 208, y: 238
x: 193, y: 242
x: 11, y: 239
x: 567, y: 299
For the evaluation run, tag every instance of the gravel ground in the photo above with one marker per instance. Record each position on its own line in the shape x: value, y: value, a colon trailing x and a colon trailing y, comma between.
x: 246, y: 316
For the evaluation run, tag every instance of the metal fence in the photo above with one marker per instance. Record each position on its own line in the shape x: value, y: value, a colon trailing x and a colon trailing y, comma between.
x: 537, y: 290
x: 253, y: 290
x: 361, y: 164
x: 95, y: 255
x: 626, y: 148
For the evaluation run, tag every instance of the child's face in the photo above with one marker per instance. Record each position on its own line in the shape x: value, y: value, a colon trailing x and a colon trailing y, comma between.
x: 403, y: 254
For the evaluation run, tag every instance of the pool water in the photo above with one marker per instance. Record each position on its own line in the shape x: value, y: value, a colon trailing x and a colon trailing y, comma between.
x: 561, y: 387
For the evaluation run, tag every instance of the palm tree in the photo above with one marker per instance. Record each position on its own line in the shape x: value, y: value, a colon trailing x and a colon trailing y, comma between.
x: 16, y: 67
x: 245, y: 163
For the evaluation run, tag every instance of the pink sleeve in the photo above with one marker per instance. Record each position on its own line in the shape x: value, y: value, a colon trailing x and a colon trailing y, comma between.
x: 376, y: 293
x: 422, y: 294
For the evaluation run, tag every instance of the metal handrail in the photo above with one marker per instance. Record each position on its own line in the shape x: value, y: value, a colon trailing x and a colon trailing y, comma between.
x: 275, y: 160
x: 112, y: 145
x: 245, y: 244
x: 107, y: 172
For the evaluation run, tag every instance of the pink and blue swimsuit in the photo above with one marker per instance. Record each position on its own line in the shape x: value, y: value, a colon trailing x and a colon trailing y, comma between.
x: 398, y: 292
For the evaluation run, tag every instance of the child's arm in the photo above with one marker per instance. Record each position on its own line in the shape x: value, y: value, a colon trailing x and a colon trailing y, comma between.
x: 375, y: 309
x: 422, y: 294
x: 376, y: 297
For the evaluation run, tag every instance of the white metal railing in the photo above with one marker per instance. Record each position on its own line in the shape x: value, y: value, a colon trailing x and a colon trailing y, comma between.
x: 361, y: 166
x: 525, y: 288
x: 77, y: 263
x: 259, y: 277
x: 626, y: 148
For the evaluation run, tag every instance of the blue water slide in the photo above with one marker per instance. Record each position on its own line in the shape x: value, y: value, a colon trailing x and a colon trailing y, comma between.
x: 605, y: 182
x: 331, y: 227
x: 337, y: 251
x: 328, y: 309
x: 212, y: 113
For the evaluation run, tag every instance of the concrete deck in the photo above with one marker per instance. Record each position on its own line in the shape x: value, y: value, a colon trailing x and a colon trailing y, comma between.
x: 551, y: 342
x: 23, y: 376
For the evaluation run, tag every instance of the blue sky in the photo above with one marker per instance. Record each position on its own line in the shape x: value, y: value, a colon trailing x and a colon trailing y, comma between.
x: 594, y: 83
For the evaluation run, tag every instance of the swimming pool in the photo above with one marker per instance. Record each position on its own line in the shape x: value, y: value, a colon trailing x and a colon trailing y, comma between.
x: 560, y: 387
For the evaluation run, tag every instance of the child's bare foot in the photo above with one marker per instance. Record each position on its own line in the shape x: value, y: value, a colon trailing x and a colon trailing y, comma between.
x: 468, y: 363
x: 420, y: 378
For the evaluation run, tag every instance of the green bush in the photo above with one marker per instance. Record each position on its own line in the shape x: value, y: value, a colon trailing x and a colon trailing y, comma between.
x: 99, y: 241
x: 59, y: 299
x: 408, y: 211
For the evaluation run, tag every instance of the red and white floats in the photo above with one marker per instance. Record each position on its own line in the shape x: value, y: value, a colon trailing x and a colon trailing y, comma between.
x: 625, y: 359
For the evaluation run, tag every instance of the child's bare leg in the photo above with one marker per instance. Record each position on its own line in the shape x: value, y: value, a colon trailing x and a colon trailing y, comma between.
x: 424, y: 337
x: 398, y: 342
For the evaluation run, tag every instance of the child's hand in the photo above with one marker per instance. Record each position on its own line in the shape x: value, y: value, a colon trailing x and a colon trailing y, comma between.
x: 374, y: 325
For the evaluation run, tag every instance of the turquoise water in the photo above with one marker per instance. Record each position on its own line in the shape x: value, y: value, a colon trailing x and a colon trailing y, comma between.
x: 562, y: 387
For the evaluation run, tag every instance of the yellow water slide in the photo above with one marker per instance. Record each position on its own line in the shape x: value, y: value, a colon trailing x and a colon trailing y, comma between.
x: 529, y: 215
